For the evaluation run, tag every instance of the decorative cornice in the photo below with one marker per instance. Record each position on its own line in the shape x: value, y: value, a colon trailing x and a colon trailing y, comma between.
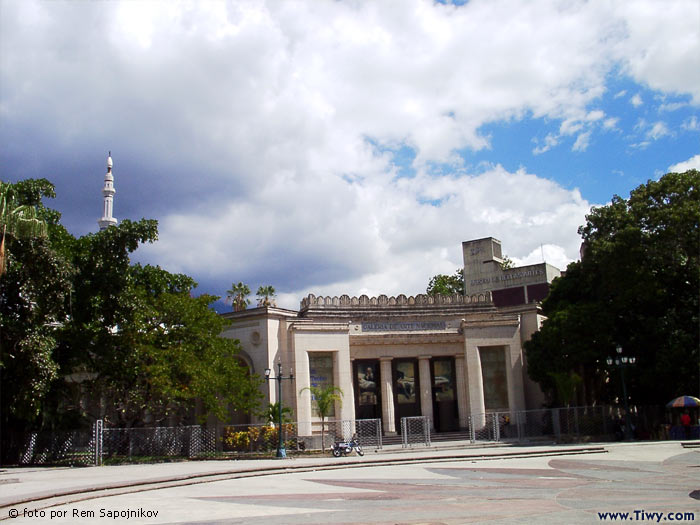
x: 401, y: 339
x: 303, y: 326
x: 345, y: 301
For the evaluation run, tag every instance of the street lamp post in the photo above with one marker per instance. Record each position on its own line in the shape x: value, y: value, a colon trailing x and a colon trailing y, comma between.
x: 621, y: 362
x: 281, y: 451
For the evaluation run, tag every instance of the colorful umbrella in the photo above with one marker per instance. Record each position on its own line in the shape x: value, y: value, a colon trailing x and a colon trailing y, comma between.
x: 684, y: 401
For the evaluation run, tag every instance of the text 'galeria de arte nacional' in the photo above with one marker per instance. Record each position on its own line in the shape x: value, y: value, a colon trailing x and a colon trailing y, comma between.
x: 444, y: 357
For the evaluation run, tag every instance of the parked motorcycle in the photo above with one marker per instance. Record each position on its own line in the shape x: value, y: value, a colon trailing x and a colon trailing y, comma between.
x: 343, y: 448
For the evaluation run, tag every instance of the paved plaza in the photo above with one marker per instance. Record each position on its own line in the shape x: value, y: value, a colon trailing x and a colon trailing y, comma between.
x: 652, y: 482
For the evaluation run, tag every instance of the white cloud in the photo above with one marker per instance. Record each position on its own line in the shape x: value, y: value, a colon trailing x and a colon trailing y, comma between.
x: 658, y: 129
x: 692, y: 163
x: 661, y: 48
x: 691, y: 124
x: 582, y: 142
x: 550, y: 141
x: 263, y: 131
x: 636, y: 100
x: 372, y: 244
x: 610, y: 123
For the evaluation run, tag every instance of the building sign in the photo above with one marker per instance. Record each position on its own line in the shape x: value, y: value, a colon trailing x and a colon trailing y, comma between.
x: 511, y: 276
x: 404, y: 327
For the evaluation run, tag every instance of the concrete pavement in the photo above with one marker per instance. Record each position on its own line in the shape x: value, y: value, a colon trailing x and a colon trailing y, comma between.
x: 24, y: 484
x: 48, y: 487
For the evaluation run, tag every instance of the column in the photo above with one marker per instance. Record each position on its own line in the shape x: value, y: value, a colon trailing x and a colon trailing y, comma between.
x: 514, y: 378
x: 426, y: 388
x: 386, y: 380
x: 342, y: 377
x: 302, y: 380
x: 475, y: 382
x: 461, y: 386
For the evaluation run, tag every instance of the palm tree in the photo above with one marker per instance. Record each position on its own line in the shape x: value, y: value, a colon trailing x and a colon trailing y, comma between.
x: 325, y: 398
x: 237, y: 296
x: 265, y: 296
x: 17, y: 221
x: 273, y: 414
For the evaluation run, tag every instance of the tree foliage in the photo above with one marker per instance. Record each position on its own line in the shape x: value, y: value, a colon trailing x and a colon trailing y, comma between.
x: 324, y: 397
x: 266, y: 296
x: 34, y: 292
x: 272, y: 415
x: 637, y: 287
x: 19, y: 218
x: 447, y: 284
x: 238, y: 296
x: 86, y: 334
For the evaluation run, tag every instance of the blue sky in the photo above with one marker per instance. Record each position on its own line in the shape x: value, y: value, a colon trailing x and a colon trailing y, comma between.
x: 347, y: 147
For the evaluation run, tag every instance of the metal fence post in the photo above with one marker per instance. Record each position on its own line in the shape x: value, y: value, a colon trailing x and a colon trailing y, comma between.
x: 578, y: 433
x: 97, y: 435
x: 556, y: 424
x: 470, y: 422
x: 605, y: 422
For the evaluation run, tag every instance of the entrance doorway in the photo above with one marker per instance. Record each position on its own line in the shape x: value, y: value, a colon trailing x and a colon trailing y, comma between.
x: 368, y: 403
x: 445, y: 415
x: 406, y: 388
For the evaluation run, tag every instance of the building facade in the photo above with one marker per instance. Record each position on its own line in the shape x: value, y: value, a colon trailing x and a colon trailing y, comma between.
x: 444, y: 357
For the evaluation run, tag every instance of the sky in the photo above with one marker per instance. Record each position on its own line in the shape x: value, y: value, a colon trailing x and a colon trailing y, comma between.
x: 346, y: 146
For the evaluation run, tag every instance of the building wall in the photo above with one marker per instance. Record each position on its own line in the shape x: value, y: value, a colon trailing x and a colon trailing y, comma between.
x: 384, y: 330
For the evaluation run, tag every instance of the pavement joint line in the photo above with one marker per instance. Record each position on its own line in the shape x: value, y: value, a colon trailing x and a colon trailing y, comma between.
x: 83, y: 494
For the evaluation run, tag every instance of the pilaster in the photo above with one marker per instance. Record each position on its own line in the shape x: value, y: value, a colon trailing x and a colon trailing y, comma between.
x: 386, y: 379
x: 461, y: 386
x: 426, y: 387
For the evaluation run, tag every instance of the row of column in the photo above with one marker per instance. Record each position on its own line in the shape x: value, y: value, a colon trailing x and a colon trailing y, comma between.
x: 386, y: 379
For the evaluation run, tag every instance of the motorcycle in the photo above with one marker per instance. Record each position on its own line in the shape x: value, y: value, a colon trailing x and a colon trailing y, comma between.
x: 343, y: 448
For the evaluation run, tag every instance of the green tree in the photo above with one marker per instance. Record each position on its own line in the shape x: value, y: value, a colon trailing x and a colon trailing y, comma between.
x: 266, y: 296
x: 83, y: 332
x: 507, y: 263
x: 447, y: 284
x: 325, y: 398
x: 34, y: 290
x: 153, y: 349
x: 636, y: 287
x: 566, y: 384
x: 238, y: 296
x: 19, y: 217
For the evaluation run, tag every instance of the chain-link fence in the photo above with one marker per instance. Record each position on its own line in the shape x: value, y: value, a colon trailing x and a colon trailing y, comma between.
x: 153, y: 443
x: 100, y: 445
x: 367, y: 432
x: 74, y: 447
x: 299, y: 437
x: 415, y: 431
x: 483, y: 427
x: 256, y: 439
x: 572, y: 424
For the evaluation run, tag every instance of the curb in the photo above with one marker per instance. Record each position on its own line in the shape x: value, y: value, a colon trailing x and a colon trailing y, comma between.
x: 85, y: 493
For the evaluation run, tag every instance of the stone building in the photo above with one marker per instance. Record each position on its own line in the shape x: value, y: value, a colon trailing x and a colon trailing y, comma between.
x: 446, y: 357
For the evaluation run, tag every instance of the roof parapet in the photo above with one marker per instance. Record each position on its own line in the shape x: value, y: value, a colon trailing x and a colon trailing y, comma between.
x: 345, y: 301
